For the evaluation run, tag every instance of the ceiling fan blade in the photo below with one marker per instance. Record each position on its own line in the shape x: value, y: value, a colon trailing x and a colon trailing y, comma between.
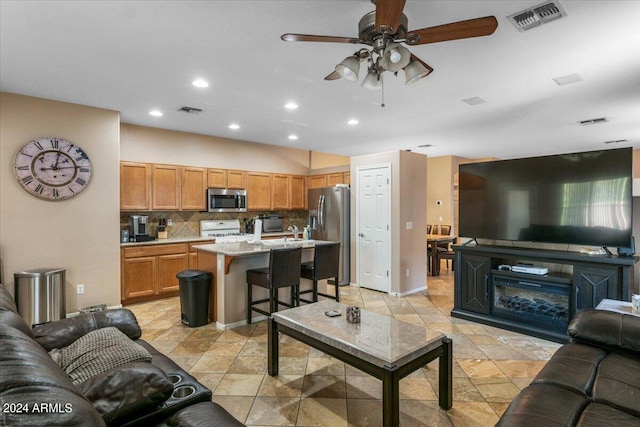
x: 333, y: 76
x: 454, y: 31
x: 388, y: 13
x: 311, y: 38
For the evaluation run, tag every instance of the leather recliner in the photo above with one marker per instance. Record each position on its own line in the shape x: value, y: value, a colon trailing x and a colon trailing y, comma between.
x: 592, y: 381
x: 36, y: 391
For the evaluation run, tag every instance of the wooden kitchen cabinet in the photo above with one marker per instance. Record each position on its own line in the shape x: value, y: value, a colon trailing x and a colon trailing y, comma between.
x: 258, y: 191
x: 236, y: 179
x: 135, y: 186
x: 216, y: 178
x: 165, y: 187
x: 193, y: 255
x: 317, y: 181
x: 298, y: 192
x: 334, y: 178
x: 149, y: 271
x: 194, y: 188
x: 280, y: 192
x: 346, y: 179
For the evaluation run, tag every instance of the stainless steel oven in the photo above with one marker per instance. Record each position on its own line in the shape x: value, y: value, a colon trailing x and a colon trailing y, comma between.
x: 226, y: 200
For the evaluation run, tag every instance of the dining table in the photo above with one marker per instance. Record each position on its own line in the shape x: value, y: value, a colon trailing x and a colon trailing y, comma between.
x: 433, y: 240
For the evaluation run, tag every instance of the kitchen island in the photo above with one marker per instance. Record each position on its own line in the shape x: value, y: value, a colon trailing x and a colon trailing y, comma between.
x: 229, y: 263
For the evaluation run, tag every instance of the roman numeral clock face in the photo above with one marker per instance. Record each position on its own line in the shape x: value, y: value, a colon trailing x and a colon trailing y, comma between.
x: 52, y: 168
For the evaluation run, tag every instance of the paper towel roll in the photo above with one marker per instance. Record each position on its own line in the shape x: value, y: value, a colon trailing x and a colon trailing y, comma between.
x: 257, y: 230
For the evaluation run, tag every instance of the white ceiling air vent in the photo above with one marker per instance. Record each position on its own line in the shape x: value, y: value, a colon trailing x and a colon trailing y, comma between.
x: 537, y: 15
x: 190, y: 110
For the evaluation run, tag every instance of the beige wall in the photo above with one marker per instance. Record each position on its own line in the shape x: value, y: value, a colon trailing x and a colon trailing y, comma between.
x: 408, y: 200
x: 146, y: 144
x: 328, y: 163
x: 80, y: 234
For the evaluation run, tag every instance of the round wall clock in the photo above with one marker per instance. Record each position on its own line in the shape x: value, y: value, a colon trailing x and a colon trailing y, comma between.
x: 52, y: 168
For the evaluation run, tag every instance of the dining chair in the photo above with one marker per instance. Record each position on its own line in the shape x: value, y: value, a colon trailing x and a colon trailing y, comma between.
x: 448, y: 254
x: 283, y: 272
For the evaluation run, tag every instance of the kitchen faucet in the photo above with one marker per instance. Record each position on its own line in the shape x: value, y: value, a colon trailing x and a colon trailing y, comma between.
x: 293, y: 228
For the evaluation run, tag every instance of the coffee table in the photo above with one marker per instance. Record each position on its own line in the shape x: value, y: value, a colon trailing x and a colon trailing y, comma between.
x: 381, y: 346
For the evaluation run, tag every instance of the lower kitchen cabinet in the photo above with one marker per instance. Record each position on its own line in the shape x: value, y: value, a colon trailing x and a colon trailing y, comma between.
x: 149, y: 272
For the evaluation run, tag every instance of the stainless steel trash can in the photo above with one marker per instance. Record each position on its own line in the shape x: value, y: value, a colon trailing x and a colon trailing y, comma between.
x: 40, y: 295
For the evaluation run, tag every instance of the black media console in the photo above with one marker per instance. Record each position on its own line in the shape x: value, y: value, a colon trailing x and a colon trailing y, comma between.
x: 540, y: 306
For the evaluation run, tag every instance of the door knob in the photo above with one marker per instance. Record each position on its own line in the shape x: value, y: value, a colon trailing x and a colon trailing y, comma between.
x: 361, y: 234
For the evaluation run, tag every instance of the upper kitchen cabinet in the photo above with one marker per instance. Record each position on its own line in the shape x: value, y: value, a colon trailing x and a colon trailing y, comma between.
x: 334, y: 178
x: 194, y: 187
x: 338, y: 178
x: 317, y: 181
x: 135, y: 186
x: 258, y: 191
x: 165, y: 183
x: 216, y: 178
x: 298, y: 192
x: 236, y: 179
x: 280, y: 192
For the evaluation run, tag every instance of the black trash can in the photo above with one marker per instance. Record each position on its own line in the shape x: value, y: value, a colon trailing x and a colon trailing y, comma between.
x: 194, y: 297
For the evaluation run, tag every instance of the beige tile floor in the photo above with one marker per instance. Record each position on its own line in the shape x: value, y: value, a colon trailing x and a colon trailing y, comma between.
x: 490, y: 366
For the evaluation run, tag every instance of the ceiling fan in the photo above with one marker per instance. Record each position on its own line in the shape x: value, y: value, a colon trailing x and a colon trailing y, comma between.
x: 385, y: 29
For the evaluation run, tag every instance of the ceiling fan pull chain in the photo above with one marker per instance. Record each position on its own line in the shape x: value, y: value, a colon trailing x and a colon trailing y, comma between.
x: 382, y: 91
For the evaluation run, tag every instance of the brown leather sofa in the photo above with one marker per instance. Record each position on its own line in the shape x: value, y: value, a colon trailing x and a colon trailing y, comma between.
x: 592, y: 381
x: 36, y: 391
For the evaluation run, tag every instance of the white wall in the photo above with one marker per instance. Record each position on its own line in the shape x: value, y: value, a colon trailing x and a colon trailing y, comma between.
x: 80, y: 234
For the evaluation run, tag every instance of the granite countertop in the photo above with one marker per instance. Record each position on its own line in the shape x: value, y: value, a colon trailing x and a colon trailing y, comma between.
x: 196, y: 239
x: 244, y: 248
x: 168, y: 241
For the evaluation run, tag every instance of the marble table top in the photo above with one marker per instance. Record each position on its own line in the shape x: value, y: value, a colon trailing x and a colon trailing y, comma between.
x: 378, y: 339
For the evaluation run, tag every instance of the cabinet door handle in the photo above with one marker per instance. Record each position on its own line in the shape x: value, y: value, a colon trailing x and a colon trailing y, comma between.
x: 486, y: 286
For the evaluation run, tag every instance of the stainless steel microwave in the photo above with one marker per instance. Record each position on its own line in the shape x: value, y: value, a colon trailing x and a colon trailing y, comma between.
x: 226, y: 200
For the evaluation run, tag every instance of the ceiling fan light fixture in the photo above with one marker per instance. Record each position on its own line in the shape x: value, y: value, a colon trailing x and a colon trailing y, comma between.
x: 414, y: 71
x: 395, y: 57
x: 349, y: 68
x: 373, y: 80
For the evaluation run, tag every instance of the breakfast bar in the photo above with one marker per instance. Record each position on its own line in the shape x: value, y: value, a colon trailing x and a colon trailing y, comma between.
x: 229, y: 262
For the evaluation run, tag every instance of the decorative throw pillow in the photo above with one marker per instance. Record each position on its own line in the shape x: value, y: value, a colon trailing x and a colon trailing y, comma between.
x: 98, y: 352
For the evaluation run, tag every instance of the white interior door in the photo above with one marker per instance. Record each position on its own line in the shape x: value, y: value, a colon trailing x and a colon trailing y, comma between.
x: 373, y: 235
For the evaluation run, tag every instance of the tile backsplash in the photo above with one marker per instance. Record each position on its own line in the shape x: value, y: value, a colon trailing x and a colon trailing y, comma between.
x: 187, y: 223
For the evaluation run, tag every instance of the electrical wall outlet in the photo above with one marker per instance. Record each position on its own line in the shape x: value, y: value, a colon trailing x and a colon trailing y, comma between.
x: 169, y: 222
x: 80, y: 289
x: 407, y: 272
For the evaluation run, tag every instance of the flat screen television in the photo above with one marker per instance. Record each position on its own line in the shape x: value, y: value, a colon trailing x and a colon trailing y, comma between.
x: 579, y: 198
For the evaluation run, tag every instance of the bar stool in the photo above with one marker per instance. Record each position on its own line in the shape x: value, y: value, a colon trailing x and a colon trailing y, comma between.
x: 283, y: 272
x: 325, y: 265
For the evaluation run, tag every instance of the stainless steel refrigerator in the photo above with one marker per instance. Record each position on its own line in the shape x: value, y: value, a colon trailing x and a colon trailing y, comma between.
x: 329, y: 219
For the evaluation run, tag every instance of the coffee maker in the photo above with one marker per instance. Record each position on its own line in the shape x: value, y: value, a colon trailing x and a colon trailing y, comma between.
x: 139, y: 228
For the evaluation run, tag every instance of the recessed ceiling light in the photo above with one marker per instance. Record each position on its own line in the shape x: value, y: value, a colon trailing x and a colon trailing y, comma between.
x: 155, y: 113
x: 234, y: 126
x: 290, y: 105
x: 293, y: 137
x: 200, y: 83
x: 353, y: 122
